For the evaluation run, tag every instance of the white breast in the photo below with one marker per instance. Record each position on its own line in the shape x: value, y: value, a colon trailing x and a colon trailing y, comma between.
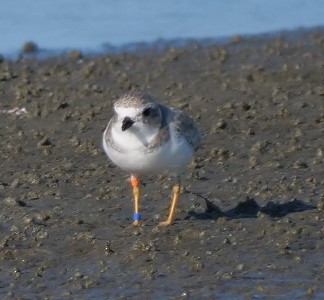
x: 137, y: 159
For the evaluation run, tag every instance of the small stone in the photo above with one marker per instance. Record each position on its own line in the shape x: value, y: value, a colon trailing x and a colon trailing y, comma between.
x: 75, y: 54
x: 319, y: 90
x: 245, y: 106
x: 78, y: 275
x: 298, y: 259
x: 235, y: 39
x: 226, y: 241
x: 240, y: 267
x: 75, y: 141
x: 228, y: 276
x: 30, y: 47
x: 312, y: 290
x: 250, y: 131
x: 10, y: 201
x: 15, y: 183
x: 45, y: 141
x: 319, y: 152
x: 300, y: 165
x: 221, y: 124
x: 320, y: 205
x: 42, y: 235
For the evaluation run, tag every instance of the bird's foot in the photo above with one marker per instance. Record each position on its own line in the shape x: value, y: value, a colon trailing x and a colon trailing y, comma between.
x: 165, y: 223
x: 137, y: 223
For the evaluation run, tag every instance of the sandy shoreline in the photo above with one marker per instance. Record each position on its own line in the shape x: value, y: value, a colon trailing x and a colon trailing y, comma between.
x: 66, y: 210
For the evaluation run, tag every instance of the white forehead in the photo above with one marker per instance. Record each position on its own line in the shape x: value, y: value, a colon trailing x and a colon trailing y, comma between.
x: 128, y: 111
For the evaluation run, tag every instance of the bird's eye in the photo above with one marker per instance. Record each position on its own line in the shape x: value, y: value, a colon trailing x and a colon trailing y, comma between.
x: 147, y: 111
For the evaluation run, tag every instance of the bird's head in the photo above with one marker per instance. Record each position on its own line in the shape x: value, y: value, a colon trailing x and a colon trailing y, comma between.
x: 138, y: 112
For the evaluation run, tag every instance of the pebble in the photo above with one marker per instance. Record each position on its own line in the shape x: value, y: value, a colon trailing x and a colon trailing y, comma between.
x: 30, y: 47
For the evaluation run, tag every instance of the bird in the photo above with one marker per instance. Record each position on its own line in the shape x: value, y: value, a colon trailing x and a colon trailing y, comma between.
x: 144, y: 138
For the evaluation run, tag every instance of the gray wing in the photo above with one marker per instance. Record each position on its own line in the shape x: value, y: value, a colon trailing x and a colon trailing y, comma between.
x: 186, y: 127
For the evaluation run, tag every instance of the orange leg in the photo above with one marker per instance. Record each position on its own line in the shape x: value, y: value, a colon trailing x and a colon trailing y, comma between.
x: 135, y: 185
x: 175, y: 198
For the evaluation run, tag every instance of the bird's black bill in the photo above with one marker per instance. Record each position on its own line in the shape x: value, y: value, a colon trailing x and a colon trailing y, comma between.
x: 127, y: 123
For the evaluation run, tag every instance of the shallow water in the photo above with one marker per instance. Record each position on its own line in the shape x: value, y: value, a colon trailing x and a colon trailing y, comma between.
x: 90, y: 25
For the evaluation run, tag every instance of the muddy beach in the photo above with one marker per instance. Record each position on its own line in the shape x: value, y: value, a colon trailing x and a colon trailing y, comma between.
x: 249, y: 224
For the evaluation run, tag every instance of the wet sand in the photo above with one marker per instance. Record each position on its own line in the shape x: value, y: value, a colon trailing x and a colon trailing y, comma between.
x: 250, y: 220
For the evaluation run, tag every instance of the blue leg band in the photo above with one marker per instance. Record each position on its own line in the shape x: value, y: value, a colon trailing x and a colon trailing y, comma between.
x: 136, y: 217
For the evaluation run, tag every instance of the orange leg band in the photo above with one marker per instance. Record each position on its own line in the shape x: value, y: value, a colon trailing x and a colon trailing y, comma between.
x: 134, y: 182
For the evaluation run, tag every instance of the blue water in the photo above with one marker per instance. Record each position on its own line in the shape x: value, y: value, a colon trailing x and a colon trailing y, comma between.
x: 90, y: 24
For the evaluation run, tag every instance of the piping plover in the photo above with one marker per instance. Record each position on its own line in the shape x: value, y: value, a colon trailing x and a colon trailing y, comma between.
x: 145, y: 137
